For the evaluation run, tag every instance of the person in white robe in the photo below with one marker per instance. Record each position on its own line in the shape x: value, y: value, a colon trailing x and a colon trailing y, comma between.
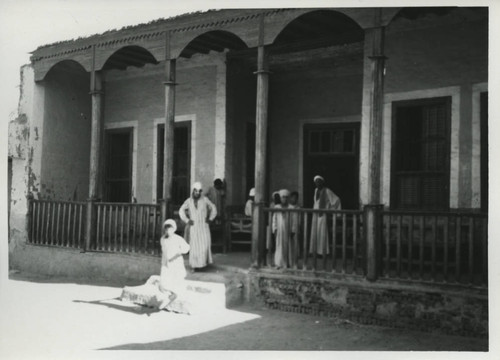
x: 198, y: 212
x: 250, y: 202
x: 324, y: 199
x: 284, y: 226
x: 173, y: 272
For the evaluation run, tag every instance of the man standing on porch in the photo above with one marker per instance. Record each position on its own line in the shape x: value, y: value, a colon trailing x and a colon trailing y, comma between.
x: 326, y: 199
x: 283, y: 226
x: 198, y: 212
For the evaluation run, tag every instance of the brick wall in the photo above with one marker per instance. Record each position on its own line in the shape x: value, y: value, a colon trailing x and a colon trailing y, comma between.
x: 449, y: 310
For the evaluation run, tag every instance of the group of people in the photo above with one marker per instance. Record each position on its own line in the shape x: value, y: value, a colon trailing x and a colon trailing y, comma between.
x: 199, y: 211
x: 285, y: 225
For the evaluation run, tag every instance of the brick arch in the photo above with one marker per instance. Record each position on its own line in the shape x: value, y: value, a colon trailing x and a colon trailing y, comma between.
x: 48, y: 66
x: 104, y: 55
x: 181, y: 40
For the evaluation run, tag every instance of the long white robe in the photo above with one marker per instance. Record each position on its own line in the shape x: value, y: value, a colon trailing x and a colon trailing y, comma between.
x: 200, y: 241
x: 284, y: 226
x: 319, y: 224
x: 173, y: 271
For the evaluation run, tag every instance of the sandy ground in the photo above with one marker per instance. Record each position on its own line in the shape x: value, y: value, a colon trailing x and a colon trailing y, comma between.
x: 47, y: 318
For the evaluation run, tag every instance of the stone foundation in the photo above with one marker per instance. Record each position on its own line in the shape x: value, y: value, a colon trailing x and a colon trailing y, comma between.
x: 447, y: 309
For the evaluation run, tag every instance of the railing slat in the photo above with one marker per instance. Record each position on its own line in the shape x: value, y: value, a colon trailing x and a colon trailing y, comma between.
x: 484, y: 241
x: 457, y: 248
x: 80, y: 224
x: 116, y: 228
x: 344, y: 243
x: 122, y: 219
x: 129, y: 229
x: 433, y: 248
x: 134, y: 237
x: 53, y: 227
x: 269, y: 240
x: 387, y: 245
x: 110, y: 226
x: 334, y: 246
x: 75, y: 211
x: 445, y: 239
x: 421, y: 247
x: 354, y: 244
x: 64, y: 239
x: 146, y: 247
x: 304, y: 247
x: 398, y: 244
x: 410, y: 246
x: 471, y: 250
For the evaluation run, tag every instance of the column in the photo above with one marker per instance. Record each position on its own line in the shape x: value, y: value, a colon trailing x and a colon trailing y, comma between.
x: 371, y: 147
x: 258, y: 228
x: 372, y: 116
x: 95, y: 154
x: 168, y: 159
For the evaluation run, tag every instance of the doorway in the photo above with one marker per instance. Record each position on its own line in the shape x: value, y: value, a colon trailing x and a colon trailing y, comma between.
x: 332, y: 151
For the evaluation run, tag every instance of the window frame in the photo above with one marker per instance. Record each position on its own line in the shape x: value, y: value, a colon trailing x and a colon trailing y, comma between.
x: 395, y: 203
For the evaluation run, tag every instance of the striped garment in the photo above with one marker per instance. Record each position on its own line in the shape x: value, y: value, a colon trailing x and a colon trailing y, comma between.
x: 200, y: 241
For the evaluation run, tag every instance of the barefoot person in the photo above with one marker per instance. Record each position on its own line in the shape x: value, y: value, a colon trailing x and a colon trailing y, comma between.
x: 198, y: 212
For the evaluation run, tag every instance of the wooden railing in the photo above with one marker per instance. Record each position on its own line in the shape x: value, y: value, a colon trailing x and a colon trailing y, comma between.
x: 343, y: 253
x: 57, y: 223
x: 124, y: 227
x: 448, y: 247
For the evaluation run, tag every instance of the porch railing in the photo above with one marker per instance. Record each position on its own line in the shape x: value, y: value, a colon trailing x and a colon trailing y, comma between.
x: 124, y: 227
x: 342, y: 253
x: 446, y: 247
x: 57, y: 223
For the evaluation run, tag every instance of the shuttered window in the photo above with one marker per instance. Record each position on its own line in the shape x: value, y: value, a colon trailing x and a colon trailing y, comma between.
x: 421, y: 155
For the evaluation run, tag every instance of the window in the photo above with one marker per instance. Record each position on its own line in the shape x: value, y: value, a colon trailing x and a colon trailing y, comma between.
x: 118, y: 183
x: 420, y: 154
x: 182, y: 162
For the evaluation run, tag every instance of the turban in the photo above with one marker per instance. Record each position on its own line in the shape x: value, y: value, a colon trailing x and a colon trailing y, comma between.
x: 319, y: 177
x: 197, y: 186
x: 170, y: 222
x: 252, y: 192
x: 284, y: 192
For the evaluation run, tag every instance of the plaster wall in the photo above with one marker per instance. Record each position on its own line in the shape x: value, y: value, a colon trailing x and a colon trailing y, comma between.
x: 138, y: 95
x: 66, y: 139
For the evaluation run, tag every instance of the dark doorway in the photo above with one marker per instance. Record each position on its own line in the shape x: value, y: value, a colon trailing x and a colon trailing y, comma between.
x: 181, y: 176
x: 118, y: 183
x: 484, y: 150
x: 332, y: 151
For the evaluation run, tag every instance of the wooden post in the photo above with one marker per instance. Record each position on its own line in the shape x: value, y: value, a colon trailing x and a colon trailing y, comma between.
x: 95, y: 153
x: 258, y: 228
x: 372, y: 223
x: 30, y: 219
x: 168, y: 159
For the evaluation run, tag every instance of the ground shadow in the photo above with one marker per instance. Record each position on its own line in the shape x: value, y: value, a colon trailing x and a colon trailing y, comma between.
x: 134, y: 309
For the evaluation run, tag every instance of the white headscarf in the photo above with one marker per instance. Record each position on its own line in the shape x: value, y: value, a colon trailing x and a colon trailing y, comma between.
x: 252, y: 192
x: 197, y: 185
x: 284, y: 192
x: 319, y: 177
x: 171, y: 223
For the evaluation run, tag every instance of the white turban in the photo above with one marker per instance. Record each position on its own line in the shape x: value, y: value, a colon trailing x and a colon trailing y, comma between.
x: 252, y: 192
x: 197, y: 185
x: 319, y: 177
x: 284, y: 192
x: 170, y: 222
